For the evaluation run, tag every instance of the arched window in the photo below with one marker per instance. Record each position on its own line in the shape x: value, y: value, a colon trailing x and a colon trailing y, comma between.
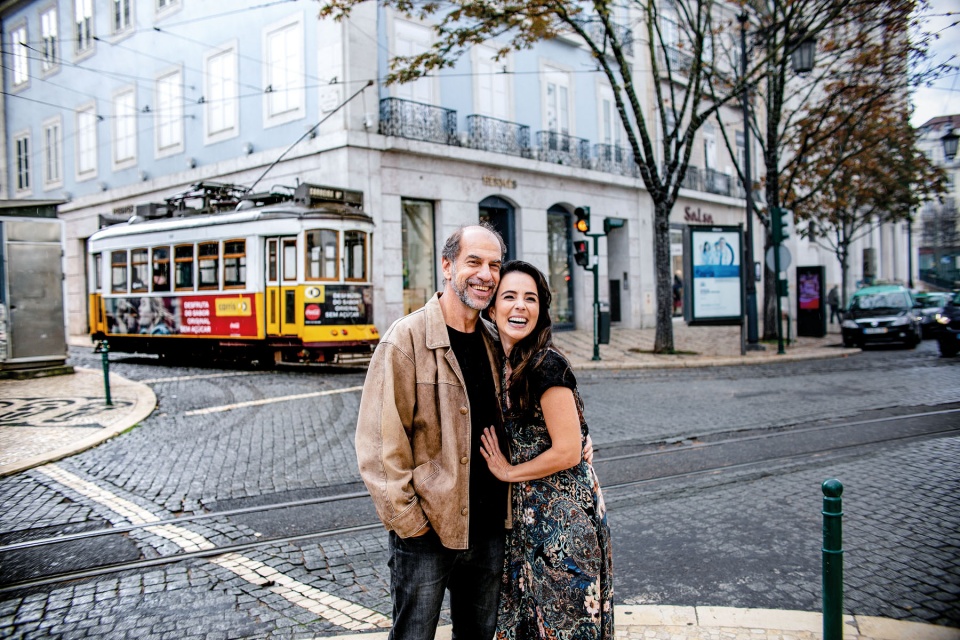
x: 500, y: 213
x: 560, y: 266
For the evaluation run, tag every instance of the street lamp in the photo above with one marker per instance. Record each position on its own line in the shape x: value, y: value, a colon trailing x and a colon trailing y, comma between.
x: 950, y: 144
x: 801, y: 60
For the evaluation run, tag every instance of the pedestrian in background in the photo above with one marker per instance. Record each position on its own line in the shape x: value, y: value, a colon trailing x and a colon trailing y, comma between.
x: 558, y: 578
x: 430, y: 391
x: 833, y: 300
x: 677, y: 294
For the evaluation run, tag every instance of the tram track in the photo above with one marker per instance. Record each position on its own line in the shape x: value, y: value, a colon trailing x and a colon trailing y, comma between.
x: 664, y: 462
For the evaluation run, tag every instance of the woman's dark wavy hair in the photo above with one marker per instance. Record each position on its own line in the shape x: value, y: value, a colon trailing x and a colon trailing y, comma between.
x: 529, y: 352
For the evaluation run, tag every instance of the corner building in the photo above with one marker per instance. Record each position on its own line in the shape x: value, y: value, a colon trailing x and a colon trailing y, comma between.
x: 116, y: 104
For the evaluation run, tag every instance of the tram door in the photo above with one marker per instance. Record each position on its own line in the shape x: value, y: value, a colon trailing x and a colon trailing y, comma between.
x: 281, y: 290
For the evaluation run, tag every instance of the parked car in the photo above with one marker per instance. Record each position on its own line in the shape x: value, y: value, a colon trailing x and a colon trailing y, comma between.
x: 948, y: 321
x: 881, y: 314
x: 930, y: 304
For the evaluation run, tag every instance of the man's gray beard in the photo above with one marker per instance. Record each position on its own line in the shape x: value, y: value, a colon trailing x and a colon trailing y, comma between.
x: 466, y: 299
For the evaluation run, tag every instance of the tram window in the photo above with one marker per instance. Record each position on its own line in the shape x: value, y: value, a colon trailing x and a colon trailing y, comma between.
x: 139, y: 264
x: 289, y: 260
x: 322, y: 258
x: 183, y: 266
x: 355, y: 250
x: 272, y: 260
x: 208, y: 257
x: 234, y: 264
x: 97, y: 271
x: 118, y: 271
x: 161, y: 269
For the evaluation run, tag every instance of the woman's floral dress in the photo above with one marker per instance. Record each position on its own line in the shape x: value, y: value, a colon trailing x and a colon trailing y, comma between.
x: 558, y: 579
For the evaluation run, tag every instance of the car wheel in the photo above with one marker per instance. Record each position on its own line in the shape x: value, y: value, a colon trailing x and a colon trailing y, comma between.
x: 949, y: 349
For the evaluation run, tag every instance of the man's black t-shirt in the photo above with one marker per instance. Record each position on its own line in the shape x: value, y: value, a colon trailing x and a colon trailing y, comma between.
x: 488, y: 496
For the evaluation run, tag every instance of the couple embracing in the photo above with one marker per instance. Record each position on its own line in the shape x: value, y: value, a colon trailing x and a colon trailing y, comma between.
x: 472, y: 443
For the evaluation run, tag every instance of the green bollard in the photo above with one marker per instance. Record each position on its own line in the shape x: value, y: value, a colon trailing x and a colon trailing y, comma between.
x: 104, y: 350
x: 832, y: 560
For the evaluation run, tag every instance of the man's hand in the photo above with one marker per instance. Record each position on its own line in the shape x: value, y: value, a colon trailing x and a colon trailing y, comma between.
x: 490, y: 449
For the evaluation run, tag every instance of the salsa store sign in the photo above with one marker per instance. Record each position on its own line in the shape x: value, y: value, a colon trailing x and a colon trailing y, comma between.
x: 338, y: 304
x: 227, y: 316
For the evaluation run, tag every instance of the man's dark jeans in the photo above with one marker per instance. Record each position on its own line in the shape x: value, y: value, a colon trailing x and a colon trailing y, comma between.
x: 421, y: 569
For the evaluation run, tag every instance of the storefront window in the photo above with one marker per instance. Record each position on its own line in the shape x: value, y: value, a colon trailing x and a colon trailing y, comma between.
x: 499, y: 213
x: 419, y: 265
x: 560, y: 270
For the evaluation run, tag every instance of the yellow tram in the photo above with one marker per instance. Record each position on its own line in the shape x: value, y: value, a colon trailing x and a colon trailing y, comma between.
x: 275, y: 277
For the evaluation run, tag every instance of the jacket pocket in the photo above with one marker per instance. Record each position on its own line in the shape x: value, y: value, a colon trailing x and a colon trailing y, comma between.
x: 424, y: 473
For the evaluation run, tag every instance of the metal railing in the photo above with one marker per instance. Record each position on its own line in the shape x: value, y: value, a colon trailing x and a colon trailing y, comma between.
x: 418, y: 121
x: 691, y: 179
x: 561, y: 148
x: 500, y: 136
x: 615, y: 159
x: 624, y: 35
x: 716, y: 182
x: 679, y: 61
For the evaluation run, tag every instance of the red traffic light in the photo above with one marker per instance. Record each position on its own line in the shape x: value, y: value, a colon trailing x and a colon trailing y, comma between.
x: 580, y: 252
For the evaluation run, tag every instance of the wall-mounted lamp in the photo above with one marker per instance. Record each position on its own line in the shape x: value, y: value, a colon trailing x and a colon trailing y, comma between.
x: 144, y: 176
x: 191, y: 163
x: 103, y: 186
x: 248, y: 148
x: 950, y: 144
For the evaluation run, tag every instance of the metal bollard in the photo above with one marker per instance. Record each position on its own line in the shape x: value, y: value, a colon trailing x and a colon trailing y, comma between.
x: 104, y: 348
x: 832, y: 560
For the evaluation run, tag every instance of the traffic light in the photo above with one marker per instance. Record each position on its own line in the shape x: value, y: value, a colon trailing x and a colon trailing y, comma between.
x: 609, y: 224
x: 583, y: 219
x: 580, y: 252
x: 779, y: 224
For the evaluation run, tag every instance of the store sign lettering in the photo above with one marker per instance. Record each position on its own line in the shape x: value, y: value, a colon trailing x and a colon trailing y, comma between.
x: 695, y: 215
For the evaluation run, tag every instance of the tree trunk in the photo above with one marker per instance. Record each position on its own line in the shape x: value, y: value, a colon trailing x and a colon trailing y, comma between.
x: 663, y: 342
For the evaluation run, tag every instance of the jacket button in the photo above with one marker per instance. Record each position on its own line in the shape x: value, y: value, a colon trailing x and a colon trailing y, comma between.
x: 464, y: 460
x: 463, y: 511
x: 463, y: 411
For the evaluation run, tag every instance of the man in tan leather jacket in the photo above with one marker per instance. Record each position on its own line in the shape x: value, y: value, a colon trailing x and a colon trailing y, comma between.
x: 432, y: 386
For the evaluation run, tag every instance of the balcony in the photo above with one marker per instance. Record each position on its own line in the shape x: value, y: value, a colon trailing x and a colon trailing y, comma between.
x: 624, y: 36
x: 615, y: 159
x: 561, y: 148
x: 499, y: 136
x: 679, y: 61
x: 716, y: 182
x: 418, y: 121
x: 691, y: 179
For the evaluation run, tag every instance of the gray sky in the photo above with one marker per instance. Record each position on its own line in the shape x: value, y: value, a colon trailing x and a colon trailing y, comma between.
x: 943, y: 98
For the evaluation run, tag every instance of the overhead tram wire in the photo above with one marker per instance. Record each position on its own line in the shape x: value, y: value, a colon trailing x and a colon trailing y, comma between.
x: 308, y: 133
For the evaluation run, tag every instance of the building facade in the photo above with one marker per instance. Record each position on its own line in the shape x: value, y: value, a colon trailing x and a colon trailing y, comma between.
x: 114, y: 104
x: 937, y: 228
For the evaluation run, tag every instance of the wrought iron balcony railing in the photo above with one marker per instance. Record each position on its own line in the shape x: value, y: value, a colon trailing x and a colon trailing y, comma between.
x: 561, y: 148
x: 691, y: 179
x: 624, y: 36
x: 500, y: 136
x: 716, y: 182
x: 418, y: 121
x: 679, y: 61
x: 615, y: 159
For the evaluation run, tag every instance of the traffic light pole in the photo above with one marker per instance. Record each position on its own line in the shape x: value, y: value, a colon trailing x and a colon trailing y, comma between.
x: 596, y: 293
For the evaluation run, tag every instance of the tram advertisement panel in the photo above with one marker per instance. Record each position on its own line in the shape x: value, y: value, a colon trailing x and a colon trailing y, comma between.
x: 214, y: 315
x: 338, y: 304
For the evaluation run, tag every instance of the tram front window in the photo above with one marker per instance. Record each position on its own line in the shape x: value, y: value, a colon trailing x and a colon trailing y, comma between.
x: 355, y: 250
x: 322, y: 254
x: 118, y: 271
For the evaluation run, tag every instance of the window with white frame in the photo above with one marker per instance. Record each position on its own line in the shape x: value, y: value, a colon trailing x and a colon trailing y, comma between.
x: 125, y: 128
x: 122, y: 15
x: 411, y: 39
x: 169, y: 115
x: 493, y: 96
x: 52, y: 153
x: 611, y: 127
x: 21, y: 57
x: 164, y: 5
x: 284, y: 72
x: 21, y: 143
x: 86, y: 143
x: 220, y: 95
x: 83, y: 24
x: 669, y: 31
x: 709, y: 147
x: 557, y: 96
x: 50, y: 45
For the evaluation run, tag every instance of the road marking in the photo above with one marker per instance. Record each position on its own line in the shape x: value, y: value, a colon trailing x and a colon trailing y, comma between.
x: 257, y: 403
x: 335, y: 610
x: 201, y: 377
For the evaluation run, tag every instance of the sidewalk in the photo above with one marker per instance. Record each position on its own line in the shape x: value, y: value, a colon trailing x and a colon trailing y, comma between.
x: 44, y: 419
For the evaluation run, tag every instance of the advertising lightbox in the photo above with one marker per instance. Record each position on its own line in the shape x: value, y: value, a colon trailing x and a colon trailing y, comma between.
x: 713, y: 269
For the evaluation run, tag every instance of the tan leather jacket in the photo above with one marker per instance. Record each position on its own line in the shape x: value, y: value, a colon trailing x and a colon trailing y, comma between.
x: 413, y: 431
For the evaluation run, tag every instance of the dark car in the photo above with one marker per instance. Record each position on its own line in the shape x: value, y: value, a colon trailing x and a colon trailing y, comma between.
x: 881, y: 314
x: 948, y: 321
x: 930, y: 304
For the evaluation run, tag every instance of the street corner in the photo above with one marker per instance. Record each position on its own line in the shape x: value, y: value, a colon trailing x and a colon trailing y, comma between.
x: 46, y: 419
